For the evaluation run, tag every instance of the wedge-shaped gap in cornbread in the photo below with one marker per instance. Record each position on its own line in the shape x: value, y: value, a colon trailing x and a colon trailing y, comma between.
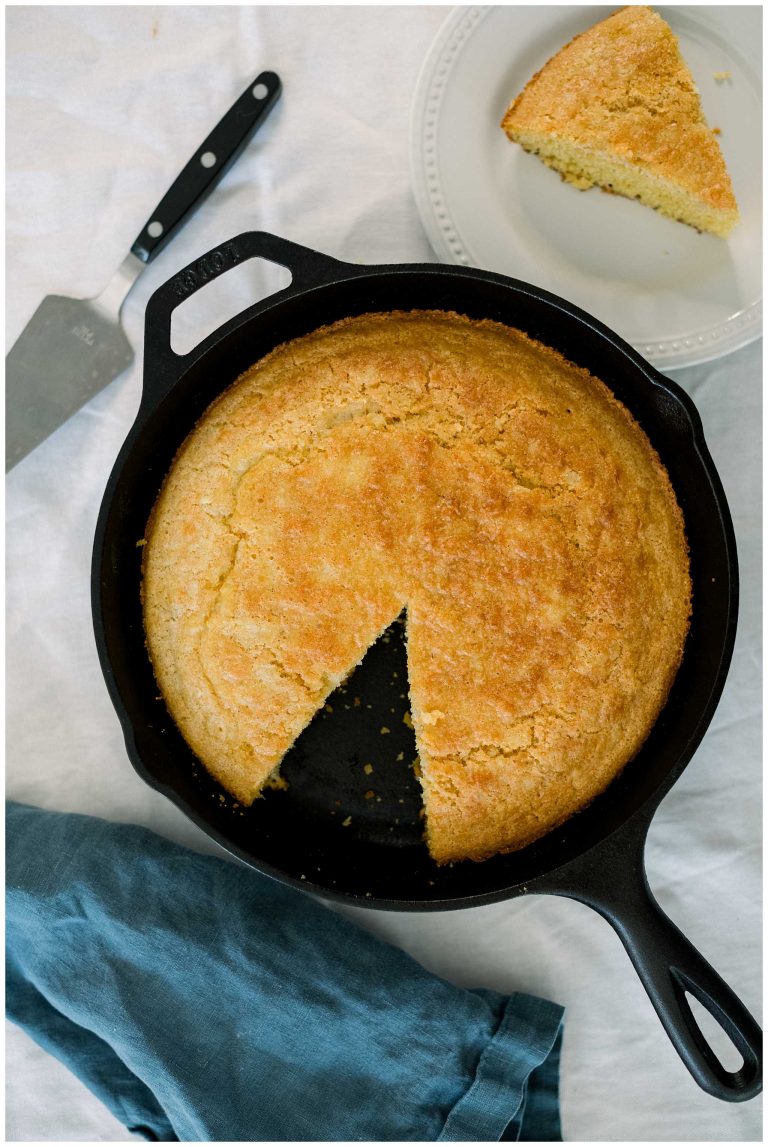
x: 354, y: 764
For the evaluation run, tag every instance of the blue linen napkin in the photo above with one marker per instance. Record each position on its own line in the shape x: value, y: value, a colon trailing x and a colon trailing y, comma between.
x: 203, y: 1001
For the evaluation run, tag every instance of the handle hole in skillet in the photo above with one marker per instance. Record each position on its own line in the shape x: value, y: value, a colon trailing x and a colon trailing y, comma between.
x: 720, y: 1043
x: 222, y: 298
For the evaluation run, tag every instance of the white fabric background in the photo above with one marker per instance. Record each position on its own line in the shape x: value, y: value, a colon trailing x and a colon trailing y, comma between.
x: 105, y: 104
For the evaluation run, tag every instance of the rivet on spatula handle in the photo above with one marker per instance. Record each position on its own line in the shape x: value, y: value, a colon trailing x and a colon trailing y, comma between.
x: 212, y: 159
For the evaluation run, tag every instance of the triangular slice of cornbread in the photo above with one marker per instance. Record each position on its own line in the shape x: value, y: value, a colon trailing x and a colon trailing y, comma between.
x: 617, y: 107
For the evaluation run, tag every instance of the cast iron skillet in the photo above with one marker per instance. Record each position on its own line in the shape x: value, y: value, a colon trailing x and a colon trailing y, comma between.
x: 345, y: 832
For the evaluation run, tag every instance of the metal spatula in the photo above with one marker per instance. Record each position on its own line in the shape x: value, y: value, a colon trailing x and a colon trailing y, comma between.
x: 72, y: 348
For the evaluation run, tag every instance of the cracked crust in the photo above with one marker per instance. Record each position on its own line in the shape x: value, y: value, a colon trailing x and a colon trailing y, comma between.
x: 618, y: 107
x: 458, y: 469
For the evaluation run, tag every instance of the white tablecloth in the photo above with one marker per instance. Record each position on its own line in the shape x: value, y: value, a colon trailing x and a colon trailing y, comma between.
x: 104, y: 106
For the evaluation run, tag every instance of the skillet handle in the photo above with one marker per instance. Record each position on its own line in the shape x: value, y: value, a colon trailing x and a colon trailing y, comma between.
x: 612, y: 880
x: 308, y: 268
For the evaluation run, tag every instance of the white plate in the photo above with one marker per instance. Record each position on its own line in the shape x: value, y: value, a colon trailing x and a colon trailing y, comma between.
x: 677, y: 296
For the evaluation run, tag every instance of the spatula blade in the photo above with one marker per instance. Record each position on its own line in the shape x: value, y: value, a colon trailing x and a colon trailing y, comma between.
x: 69, y: 350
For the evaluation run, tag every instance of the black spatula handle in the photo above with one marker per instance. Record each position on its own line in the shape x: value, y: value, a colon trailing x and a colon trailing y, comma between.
x: 212, y: 159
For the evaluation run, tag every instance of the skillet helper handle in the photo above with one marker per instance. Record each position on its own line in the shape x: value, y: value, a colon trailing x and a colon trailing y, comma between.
x: 612, y: 880
x: 210, y: 162
x: 308, y: 268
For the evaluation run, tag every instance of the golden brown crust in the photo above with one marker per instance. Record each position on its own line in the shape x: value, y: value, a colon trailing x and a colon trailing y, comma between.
x: 619, y: 103
x: 459, y: 469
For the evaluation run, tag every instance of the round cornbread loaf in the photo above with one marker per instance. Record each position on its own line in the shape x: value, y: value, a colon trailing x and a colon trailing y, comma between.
x: 462, y: 471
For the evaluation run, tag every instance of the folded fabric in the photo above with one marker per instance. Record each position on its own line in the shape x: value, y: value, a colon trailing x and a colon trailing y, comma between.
x: 203, y: 1001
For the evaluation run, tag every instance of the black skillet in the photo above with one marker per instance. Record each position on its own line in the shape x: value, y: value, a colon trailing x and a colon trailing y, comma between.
x: 355, y: 834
